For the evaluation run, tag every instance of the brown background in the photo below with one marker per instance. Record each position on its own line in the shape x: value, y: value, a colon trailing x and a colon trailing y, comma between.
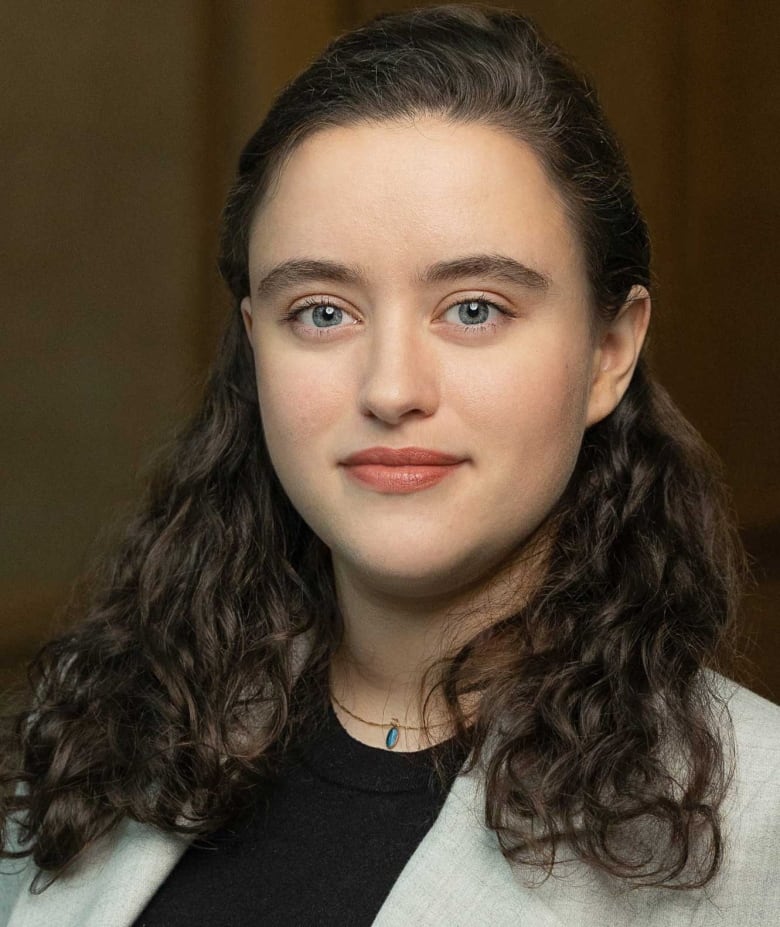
x: 121, y: 123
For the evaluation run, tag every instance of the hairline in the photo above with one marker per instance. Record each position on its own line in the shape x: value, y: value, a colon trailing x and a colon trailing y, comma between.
x: 280, y: 157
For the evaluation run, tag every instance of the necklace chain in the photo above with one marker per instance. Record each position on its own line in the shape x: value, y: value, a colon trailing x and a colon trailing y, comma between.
x: 394, y: 722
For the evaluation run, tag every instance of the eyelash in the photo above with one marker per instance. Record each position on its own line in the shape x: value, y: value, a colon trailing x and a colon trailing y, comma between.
x: 311, y: 303
x: 292, y: 317
x: 486, y: 327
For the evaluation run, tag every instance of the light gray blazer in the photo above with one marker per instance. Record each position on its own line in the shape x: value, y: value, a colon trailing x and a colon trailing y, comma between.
x: 458, y: 877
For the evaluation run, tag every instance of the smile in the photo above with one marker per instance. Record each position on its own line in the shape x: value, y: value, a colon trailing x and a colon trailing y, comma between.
x: 400, y: 470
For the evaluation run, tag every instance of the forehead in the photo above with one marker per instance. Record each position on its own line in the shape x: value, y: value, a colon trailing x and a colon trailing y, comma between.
x: 418, y: 190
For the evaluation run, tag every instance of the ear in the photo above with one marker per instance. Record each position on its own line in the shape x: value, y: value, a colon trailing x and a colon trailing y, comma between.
x: 616, y: 354
x: 246, y: 315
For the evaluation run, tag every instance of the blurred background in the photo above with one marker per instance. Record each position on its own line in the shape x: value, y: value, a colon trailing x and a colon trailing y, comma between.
x: 120, y: 125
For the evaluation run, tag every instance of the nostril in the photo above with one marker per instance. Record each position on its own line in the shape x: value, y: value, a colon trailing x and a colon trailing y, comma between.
x: 393, y: 392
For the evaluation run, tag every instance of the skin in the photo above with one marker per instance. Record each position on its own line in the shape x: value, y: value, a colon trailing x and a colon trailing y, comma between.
x: 399, y: 366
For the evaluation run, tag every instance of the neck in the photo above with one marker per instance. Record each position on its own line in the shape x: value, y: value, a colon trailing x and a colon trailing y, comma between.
x: 378, y: 674
x: 390, y: 643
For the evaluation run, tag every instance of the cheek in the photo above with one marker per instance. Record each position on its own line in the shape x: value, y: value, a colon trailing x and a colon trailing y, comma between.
x: 296, y: 404
x: 534, y: 404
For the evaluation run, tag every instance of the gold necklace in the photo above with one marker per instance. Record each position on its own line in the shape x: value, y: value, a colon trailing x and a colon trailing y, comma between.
x: 394, y: 729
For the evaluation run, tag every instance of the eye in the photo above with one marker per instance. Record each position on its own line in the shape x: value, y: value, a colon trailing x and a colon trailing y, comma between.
x: 323, y: 315
x: 317, y: 315
x: 475, y: 314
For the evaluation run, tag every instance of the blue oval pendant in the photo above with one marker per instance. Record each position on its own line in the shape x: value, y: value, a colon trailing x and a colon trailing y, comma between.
x: 392, y: 736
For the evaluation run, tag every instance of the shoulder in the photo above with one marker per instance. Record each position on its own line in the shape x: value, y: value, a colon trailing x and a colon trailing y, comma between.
x: 110, y: 885
x: 751, y: 728
x: 14, y: 878
x: 15, y: 874
x: 747, y: 890
x: 751, y: 809
x: 749, y: 710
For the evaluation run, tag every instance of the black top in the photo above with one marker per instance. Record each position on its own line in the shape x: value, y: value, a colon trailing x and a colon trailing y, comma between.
x: 320, y: 846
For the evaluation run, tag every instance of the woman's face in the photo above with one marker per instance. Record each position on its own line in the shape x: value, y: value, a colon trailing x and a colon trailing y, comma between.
x: 418, y: 285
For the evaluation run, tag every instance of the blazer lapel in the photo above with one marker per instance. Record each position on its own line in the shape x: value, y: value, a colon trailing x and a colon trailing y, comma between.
x: 458, y: 876
x: 110, y: 888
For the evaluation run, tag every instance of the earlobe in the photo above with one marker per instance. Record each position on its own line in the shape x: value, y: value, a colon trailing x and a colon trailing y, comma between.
x: 616, y: 355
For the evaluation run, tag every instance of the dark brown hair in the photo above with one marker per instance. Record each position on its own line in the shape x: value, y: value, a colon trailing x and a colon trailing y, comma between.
x: 172, y: 694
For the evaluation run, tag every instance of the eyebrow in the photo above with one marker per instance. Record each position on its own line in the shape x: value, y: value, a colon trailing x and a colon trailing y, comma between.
x: 495, y: 266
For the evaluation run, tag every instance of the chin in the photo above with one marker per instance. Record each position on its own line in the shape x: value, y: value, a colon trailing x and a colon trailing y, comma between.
x: 417, y: 575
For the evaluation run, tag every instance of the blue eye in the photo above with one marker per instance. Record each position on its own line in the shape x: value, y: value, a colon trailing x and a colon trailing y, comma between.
x: 324, y: 315
x: 475, y: 313
x: 316, y: 316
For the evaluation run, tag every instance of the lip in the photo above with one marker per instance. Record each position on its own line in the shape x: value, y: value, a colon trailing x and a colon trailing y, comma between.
x: 401, y: 457
x: 400, y: 470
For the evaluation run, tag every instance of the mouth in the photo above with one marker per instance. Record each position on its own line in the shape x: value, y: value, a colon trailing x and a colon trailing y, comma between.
x: 400, y: 470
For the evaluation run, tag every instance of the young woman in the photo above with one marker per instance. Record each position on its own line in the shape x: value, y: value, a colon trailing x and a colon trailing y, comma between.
x: 419, y: 623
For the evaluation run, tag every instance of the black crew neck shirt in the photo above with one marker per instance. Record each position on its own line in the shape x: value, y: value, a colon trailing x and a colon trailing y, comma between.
x: 321, y: 846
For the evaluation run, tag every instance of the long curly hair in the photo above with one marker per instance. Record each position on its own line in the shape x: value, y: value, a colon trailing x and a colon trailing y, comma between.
x: 170, y: 696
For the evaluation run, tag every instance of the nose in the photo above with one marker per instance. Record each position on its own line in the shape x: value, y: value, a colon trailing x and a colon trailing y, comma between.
x: 400, y: 377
